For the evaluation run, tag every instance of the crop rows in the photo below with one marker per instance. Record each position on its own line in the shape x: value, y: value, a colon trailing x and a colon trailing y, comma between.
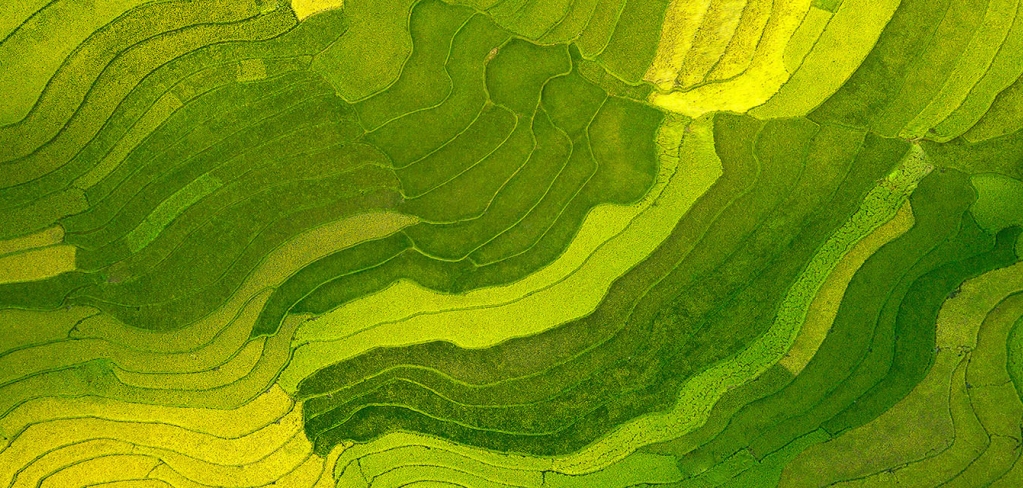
x: 489, y: 243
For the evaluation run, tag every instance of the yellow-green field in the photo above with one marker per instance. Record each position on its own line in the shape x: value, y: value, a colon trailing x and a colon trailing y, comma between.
x: 492, y: 243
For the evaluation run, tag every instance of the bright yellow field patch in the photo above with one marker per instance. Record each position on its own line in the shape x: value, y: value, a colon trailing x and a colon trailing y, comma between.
x: 763, y: 78
x: 305, y: 8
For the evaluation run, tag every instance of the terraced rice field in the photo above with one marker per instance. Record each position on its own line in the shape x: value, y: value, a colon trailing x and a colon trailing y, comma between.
x: 485, y: 243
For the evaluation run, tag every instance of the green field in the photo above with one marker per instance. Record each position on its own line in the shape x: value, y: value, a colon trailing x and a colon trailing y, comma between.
x: 490, y: 243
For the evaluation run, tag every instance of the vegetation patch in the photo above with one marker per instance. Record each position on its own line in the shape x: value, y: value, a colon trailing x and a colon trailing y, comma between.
x: 600, y: 243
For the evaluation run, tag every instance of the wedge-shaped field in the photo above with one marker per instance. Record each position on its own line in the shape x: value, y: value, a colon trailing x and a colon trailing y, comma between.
x: 486, y: 243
